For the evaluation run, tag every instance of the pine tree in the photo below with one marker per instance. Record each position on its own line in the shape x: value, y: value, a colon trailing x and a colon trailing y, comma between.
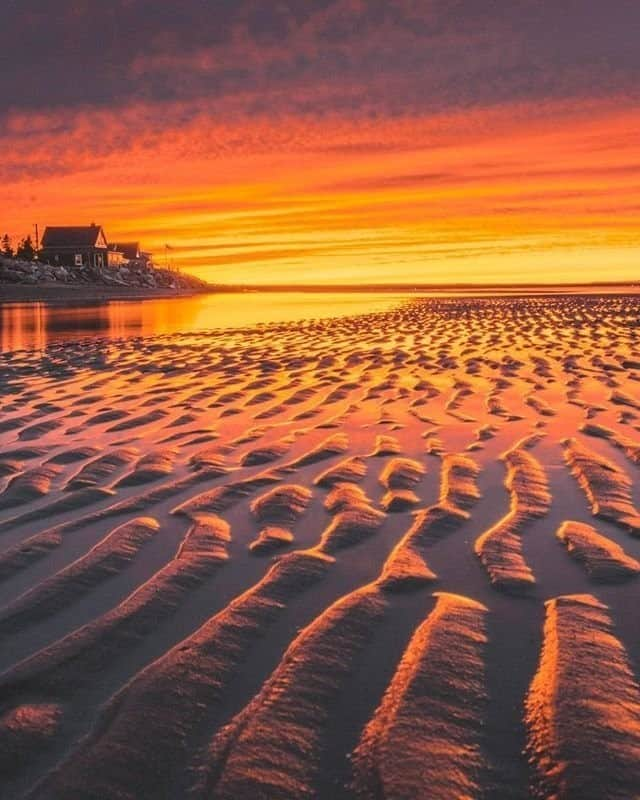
x: 5, y: 246
x: 26, y: 251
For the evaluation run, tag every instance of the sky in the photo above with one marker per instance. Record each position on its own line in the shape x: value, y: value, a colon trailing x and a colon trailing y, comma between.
x: 331, y: 141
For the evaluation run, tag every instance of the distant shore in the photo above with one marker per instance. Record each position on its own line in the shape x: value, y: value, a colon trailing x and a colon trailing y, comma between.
x: 55, y: 292
x: 74, y: 293
x: 456, y: 289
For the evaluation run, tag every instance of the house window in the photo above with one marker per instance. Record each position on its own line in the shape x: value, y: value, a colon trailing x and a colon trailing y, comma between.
x: 97, y: 259
x: 78, y: 259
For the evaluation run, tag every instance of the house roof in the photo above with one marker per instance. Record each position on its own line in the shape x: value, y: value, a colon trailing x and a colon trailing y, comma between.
x: 72, y: 236
x: 130, y: 250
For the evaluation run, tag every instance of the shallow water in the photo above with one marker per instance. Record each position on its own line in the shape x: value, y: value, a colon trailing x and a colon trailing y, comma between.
x: 27, y: 326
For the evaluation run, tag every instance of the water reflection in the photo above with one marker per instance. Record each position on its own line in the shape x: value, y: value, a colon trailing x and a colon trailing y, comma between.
x: 34, y: 325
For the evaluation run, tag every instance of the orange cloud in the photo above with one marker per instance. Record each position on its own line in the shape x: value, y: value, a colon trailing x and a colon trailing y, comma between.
x: 522, y: 192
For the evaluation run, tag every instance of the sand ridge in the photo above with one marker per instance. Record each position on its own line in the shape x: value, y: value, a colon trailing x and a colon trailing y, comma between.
x: 289, y: 561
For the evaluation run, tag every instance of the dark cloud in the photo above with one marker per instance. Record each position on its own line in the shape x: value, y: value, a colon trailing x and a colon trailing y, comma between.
x: 328, y: 56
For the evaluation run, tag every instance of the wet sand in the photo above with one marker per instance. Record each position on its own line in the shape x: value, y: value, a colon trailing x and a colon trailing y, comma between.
x: 78, y: 293
x: 389, y: 555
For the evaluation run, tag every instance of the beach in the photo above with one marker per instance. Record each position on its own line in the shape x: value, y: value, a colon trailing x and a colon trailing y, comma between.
x: 390, y: 553
x: 65, y: 293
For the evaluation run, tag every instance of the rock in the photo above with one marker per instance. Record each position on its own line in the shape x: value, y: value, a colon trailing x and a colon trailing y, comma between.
x: 134, y: 274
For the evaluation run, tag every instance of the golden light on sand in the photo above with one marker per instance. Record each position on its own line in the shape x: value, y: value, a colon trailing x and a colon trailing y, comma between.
x: 367, y: 552
x: 357, y: 516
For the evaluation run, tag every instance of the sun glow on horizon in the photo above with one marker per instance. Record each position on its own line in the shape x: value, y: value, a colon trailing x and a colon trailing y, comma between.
x: 487, y: 196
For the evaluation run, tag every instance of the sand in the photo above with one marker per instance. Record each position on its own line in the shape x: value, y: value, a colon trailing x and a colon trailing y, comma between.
x: 387, y: 556
x: 583, y: 707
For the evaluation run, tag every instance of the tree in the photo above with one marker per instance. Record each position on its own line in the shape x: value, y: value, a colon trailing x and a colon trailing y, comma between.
x: 26, y: 251
x: 5, y: 246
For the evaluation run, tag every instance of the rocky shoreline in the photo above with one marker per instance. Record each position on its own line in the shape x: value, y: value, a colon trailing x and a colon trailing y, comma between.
x: 32, y: 280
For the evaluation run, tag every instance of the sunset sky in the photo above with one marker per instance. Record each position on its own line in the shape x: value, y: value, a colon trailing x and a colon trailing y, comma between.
x: 333, y: 141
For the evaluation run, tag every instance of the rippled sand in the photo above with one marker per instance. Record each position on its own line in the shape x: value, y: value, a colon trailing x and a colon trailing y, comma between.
x: 394, y: 556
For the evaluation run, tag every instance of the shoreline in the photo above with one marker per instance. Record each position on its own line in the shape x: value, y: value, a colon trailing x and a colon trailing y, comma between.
x: 87, y: 293
x: 472, y: 289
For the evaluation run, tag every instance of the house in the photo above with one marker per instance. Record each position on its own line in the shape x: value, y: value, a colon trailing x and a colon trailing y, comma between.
x: 75, y: 246
x: 115, y: 256
x: 131, y: 252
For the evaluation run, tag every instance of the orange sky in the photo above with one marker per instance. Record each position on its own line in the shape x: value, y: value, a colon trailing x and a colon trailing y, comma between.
x: 517, y: 192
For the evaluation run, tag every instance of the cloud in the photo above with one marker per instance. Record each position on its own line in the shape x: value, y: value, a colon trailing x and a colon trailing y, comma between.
x: 328, y: 138
x: 331, y: 56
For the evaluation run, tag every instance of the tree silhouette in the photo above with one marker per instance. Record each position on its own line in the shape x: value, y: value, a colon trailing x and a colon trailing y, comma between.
x: 26, y: 251
x: 5, y: 246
